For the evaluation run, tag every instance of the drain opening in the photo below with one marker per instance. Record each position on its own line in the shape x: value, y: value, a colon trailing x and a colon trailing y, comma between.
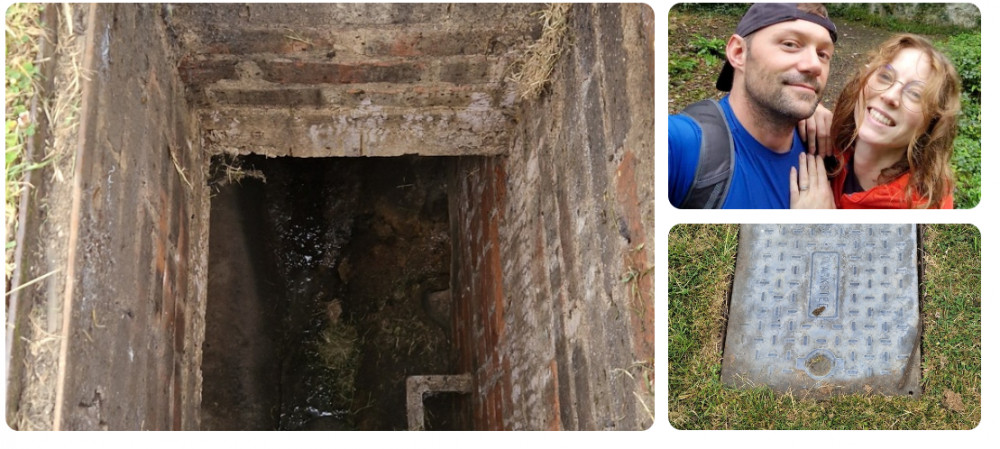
x: 328, y: 286
x: 819, y: 365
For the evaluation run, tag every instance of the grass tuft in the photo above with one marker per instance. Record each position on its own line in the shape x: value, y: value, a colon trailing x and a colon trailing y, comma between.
x: 228, y: 169
x: 23, y: 31
x: 535, y: 72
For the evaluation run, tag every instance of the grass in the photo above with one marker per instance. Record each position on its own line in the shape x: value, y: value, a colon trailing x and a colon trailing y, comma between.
x: 21, y: 45
x: 533, y: 75
x: 338, y: 347
x: 229, y: 169
x: 61, y: 115
x: 702, y: 260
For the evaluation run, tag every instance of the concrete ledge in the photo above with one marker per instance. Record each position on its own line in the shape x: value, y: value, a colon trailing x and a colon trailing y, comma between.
x: 368, y: 131
x: 418, y: 386
x: 424, y: 95
x: 201, y: 70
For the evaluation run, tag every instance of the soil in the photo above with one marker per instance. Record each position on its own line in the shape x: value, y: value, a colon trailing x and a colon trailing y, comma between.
x: 854, y: 42
x: 351, y: 262
x: 953, y: 401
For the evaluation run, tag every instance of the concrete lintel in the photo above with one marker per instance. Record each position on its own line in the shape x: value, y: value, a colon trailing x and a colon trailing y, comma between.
x: 347, y: 15
x: 355, y: 42
x: 418, y: 386
x: 227, y: 93
x: 198, y: 71
x: 365, y: 131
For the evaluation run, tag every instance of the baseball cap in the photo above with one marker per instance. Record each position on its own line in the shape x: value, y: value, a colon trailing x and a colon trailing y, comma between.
x: 762, y: 15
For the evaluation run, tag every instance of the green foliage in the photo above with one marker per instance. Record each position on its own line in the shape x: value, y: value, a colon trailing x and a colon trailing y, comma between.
x: 701, y: 53
x: 706, y: 47
x: 967, y: 164
x: 918, y: 18
x: 22, y: 33
x: 680, y: 67
x: 964, y: 50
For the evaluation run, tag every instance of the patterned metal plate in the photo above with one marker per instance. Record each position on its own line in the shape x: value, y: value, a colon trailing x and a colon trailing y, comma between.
x: 825, y: 309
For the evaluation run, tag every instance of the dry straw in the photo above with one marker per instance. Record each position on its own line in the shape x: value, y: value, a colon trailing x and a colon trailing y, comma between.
x: 542, y: 55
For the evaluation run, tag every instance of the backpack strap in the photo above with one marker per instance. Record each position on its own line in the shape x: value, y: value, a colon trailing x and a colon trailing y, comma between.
x: 716, y: 155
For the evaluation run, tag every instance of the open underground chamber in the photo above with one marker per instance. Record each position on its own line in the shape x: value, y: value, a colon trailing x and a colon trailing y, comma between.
x: 329, y: 285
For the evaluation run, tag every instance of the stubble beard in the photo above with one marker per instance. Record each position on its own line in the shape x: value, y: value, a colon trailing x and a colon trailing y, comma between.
x: 769, y: 96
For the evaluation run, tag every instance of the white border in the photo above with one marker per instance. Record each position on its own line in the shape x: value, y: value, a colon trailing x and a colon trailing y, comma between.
x: 667, y: 217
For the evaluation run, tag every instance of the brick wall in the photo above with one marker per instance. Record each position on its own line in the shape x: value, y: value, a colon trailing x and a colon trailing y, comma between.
x: 137, y: 287
x: 351, y: 80
x: 555, y: 243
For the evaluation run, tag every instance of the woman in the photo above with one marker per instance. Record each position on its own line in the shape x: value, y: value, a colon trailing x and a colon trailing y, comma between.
x: 893, y: 128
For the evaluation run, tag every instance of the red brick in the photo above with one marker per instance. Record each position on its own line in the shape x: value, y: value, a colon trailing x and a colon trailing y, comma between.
x: 206, y: 71
x: 555, y: 422
x: 468, y: 70
x: 628, y: 199
x: 238, y: 41
x: 311, y: 72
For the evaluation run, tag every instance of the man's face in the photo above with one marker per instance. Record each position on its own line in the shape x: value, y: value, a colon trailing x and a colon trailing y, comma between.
x: 786, y: 68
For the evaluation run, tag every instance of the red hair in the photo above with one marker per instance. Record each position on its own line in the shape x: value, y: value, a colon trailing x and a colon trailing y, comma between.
x: 928, y: 153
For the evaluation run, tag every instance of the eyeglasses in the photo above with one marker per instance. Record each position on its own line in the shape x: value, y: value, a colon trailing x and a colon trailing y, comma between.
x: 913, y: 91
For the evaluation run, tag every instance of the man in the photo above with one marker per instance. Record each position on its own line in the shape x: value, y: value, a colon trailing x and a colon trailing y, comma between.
x: 776, y: 69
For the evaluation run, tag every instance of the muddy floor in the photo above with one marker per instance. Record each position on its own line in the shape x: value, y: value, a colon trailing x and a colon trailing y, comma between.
x: 328, y: 285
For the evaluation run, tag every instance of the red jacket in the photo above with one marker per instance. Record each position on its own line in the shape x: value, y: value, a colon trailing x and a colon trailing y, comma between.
x: 882, y: 196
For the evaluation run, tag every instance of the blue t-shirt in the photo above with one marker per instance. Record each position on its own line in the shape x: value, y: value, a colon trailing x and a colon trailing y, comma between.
x: 760, y: 176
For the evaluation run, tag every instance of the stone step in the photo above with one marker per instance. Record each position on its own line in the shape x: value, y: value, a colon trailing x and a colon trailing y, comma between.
x: 368, y: 130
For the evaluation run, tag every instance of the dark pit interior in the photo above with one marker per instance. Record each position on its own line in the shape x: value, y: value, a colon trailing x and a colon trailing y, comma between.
x: 328, y: 286
x: 168, y: 287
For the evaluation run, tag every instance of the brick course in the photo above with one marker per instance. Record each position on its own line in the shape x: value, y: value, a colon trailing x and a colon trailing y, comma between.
x: 549, y: 347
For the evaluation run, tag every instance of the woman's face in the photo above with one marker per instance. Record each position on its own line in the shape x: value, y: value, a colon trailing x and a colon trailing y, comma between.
x: 892, y: 101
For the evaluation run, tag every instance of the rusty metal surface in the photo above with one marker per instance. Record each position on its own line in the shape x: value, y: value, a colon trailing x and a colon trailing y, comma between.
x: 825, y: 309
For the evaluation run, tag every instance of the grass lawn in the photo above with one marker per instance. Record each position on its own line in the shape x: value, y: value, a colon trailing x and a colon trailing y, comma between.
x: 701, y: 263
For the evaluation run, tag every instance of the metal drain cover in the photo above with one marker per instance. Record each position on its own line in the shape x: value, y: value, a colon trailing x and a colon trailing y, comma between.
x: 825, y: 309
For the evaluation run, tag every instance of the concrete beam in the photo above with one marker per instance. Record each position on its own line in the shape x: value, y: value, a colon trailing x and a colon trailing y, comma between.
x: 369, y: 130
x: 425, y: 95
x: 295, y: 16
x: 340, y: 44
x: 199, y: 71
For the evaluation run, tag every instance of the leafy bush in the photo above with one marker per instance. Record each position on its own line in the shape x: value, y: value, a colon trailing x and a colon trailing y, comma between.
x: 680, y: 67
x: 967, y: 163
x: 709, y: 50
x: 919, y: 18
x: 706, y: 47
x: 964, y: 50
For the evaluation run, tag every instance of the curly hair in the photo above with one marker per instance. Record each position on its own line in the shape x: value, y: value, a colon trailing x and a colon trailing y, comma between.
x: 928, y: 154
